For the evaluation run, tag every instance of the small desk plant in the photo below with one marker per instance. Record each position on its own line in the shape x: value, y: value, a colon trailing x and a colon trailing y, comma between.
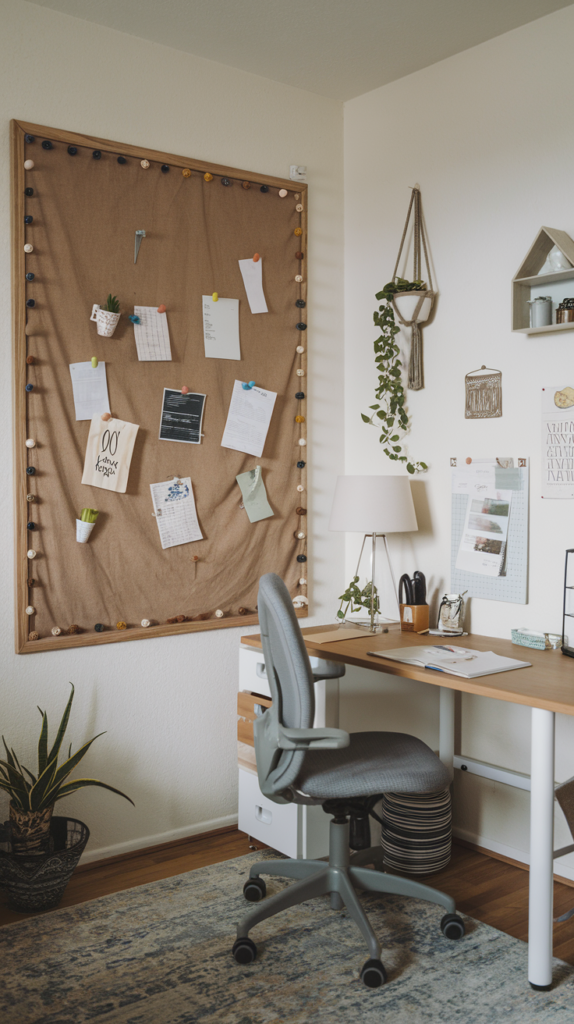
x: 32, y: 803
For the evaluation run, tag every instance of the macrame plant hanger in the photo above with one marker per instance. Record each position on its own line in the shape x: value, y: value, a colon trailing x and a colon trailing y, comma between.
x: 416, y: 305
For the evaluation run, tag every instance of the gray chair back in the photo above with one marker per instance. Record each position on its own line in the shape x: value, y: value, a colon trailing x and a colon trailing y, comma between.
x: 289, y: 675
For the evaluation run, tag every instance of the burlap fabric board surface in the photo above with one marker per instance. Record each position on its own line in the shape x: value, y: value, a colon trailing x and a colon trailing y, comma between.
x: 85, y: 214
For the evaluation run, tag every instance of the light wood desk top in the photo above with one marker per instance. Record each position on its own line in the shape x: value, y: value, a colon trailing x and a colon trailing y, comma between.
x: 548, y: 683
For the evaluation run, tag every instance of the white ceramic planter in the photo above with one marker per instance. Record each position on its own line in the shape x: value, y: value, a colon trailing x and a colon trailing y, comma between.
x: 413, y: 306
x: 83, y: 531
x: 106, y: 322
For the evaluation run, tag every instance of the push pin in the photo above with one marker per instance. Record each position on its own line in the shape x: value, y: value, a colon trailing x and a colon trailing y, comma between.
x: 215, y: 297
x: 139, y: 236
x: 145, y: 623
x: 162, y: 308
x: 185, y: 390
x: 94, y: 362
x: 247, y: 387
x: 135, y: 319
x: 256, y: 257
x: 106, y: 416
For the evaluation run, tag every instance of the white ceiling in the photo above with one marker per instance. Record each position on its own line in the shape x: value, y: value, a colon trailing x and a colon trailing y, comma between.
x: 337, y: 48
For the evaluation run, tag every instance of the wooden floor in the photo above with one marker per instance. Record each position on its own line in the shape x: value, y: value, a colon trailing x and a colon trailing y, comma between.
x: 484, y: 888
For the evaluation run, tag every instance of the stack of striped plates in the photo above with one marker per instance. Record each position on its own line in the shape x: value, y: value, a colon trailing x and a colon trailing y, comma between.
x: 417, y: 831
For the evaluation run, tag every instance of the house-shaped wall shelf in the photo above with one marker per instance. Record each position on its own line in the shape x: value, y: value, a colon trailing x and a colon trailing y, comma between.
x: 530, y: 283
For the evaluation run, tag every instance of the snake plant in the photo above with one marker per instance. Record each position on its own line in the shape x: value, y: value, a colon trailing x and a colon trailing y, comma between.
x: 29, y: 792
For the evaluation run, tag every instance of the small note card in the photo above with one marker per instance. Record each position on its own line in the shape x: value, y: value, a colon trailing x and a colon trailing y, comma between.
x: 252, y: 274
x: 181, y: 416
x: 254, y: 495
x: 175, y: 514
x: 221, y: 328
x: 248, y: 419
x: 90, y: 389
x: 152, y: 335
x: 109, y: 454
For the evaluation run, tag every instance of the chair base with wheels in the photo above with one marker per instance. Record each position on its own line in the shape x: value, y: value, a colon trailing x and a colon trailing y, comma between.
x: 339, y: 877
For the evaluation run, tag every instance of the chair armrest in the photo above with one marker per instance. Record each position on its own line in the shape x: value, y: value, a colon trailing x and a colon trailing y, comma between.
x: 312, y: 739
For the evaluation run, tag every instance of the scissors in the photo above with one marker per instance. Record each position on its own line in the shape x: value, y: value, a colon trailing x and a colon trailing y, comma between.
x: 413, y: 590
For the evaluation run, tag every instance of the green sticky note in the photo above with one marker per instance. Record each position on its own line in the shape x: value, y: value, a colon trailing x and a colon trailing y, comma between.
x: 254, y: 495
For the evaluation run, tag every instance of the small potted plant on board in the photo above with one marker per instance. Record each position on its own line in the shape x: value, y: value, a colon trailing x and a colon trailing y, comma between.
x: 107, y: 316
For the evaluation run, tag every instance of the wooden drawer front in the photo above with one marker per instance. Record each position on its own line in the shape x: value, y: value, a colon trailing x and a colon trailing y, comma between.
x: 246, y: 701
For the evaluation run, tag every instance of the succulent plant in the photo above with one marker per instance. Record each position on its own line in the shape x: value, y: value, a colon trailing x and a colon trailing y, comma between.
x: 112, y: 304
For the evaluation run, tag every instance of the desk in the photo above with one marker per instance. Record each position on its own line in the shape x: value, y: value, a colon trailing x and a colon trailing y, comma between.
x: 546, y: 687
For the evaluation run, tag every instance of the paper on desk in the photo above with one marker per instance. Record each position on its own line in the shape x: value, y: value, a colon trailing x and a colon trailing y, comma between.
x: 90, y: 388
x: 252, y: 274
x: 221, y: 328
x: 152, y: 335
x: 248, y: 419
x: 254, y: 495
x: 333, y: 636
x: 175, y: 513
x: 109, y: 453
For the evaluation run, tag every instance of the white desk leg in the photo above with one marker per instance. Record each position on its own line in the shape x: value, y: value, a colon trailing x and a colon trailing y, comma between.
x: 541, y: 849
x: 446, y: 728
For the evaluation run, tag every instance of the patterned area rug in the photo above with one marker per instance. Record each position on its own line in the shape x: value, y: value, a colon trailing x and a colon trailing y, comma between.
x: 160, y: 954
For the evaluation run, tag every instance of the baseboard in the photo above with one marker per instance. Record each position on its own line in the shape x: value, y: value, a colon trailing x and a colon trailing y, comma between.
x: 508, y: 854
x: 160, y: 839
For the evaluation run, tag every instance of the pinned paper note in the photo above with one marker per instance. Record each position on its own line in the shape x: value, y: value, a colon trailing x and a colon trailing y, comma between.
x: 90, y: 388
x: 109, y: 453
x: 248, y: 419
x: 254, y: 495
x: 181, y: 416
x: 152, y: 334
x: 252, y: 274
x: 175, y: 513
x: 221, y: 328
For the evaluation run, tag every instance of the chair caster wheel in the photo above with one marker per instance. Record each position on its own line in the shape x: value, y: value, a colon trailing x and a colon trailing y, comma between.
x: 244, y: 950
x: 254, y: 890
x: 452, y: 926
x: 373, y: 974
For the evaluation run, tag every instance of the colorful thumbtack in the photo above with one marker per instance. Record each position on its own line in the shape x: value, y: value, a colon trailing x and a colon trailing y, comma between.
x: 300, y: 394
x: 186, y: 172
x: 30, y: 526
x: 215, y: 297
x: 28, y: 191
x: 30, y: 471
x: 72, y: 150
x: 28, y: 219
x: 299, y: 419
x: 162, y: 308
x: 300, y: 511
x: 99, y: 627
x: 94, y: 362
x: 299, y: 255
x: 243, y: 611
x: 301, y: 327
x: 31, y: 553
x: 31, y: 498
x: 256, y: 257
x: 264, y: 188
x: 135, y: 319
x: 300, y: 488
x: 195, y: 558
x: 301, y: 303
x: 282, y: 193
x: 106, y: 416
x: 121, y: 625
x: 300, y: 373
x: 145, y: 623
x: 207, y: 176
x: 225, y: 181
x: 34, y: 635
x: 30, y: 303
x: 301, y: 464
x: 302, y: 442
x: 298, y: 232
x: 74, y: 628
x: 30, y: 443
x: 246, y: 184
x: 28, y: 165
x: 29, y: 387
x: 300, y: 535
x: 185, y: 390
x: 144, y: 164
x: 164, y: 168
x: 30, y: 610
x: 97, y: 154
x: 301, y: 558
x: 247, y: 387
x: 56, y: 630
x: 300, y: 349
x: 30, y: 276
x: 29, y: 138
x: 299, y: 278
x: 28, y: 247
x: 47, y: 144
x: 218, y: 613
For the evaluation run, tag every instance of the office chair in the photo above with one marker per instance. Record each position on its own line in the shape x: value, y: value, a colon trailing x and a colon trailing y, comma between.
x: 345, y: 773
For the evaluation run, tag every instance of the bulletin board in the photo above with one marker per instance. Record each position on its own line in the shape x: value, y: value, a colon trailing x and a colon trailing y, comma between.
x: 200, y: 219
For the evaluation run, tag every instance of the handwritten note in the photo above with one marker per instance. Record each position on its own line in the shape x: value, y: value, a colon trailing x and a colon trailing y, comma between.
x: 152, y: 335
x: 248, y: 419
x: 221, y: 328
x: 90, y: 388
x: 557, y: 442
x: 175, y: 513
x: 109, y: 454
x: 252, y: 274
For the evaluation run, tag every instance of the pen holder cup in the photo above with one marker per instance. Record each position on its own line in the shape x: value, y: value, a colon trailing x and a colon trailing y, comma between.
x: 414, y: 617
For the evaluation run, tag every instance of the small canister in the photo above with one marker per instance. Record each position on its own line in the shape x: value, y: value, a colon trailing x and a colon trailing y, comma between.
x: 541, y: 311
x: 565, y: 312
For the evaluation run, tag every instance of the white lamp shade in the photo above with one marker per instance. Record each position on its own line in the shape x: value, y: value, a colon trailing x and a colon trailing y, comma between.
x: 373, y: 504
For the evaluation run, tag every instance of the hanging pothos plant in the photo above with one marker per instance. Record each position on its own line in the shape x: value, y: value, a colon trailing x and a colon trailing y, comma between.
x: 389, y: 413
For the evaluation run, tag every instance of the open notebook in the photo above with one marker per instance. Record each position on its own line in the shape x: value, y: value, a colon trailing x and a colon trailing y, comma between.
x: 457, y: 661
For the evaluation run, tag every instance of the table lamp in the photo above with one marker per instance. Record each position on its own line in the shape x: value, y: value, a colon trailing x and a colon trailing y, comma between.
x: 373, y: 506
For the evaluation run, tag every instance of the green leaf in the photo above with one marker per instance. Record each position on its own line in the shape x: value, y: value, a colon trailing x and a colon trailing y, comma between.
x: 395, y: 437
x: 365, y: 419
x: 340, y: 615
x: 71, y: 787
x: 43, y: 743
x: 62, y: 728
x: 410, y: 468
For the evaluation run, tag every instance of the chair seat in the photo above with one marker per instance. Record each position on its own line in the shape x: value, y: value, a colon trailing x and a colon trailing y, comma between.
x: 374, y: 762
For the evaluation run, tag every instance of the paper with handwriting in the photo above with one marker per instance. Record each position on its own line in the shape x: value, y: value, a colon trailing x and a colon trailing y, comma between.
x: 109, y: 453
x: 175, y: 513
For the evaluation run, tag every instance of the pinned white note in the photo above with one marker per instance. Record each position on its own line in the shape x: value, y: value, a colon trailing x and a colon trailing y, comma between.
x: 248, y: 419
x: 252, y: 274
x: 221, y: 328
x: 109, y: 453
x: 90, y: 388
x: 175, y: 513
x: 152, y: 335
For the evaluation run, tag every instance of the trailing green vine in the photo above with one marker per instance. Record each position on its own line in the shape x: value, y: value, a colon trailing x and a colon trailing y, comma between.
x: 389, y: 410
x: 355, y: 598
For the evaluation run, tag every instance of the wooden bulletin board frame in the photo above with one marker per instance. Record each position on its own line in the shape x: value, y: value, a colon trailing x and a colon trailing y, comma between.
x: 23, y: 568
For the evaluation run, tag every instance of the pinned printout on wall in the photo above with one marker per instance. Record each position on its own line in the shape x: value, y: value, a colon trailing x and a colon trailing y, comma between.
x: 221, y: 328
x: 181, y: 416
x: 254, y: 495
x: 152, y: 335
x: 90, y: 388
x: 109, y: 454
x: 248, y: 419
x: 252, y: 274
x: 175, y: 512
x: 557, y: 442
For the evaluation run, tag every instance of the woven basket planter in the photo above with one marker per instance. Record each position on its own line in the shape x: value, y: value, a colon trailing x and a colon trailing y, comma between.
x: 38, y: 882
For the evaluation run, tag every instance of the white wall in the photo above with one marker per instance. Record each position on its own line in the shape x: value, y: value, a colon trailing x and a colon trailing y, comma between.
x: 483, y: 133
x: 169, y: 705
